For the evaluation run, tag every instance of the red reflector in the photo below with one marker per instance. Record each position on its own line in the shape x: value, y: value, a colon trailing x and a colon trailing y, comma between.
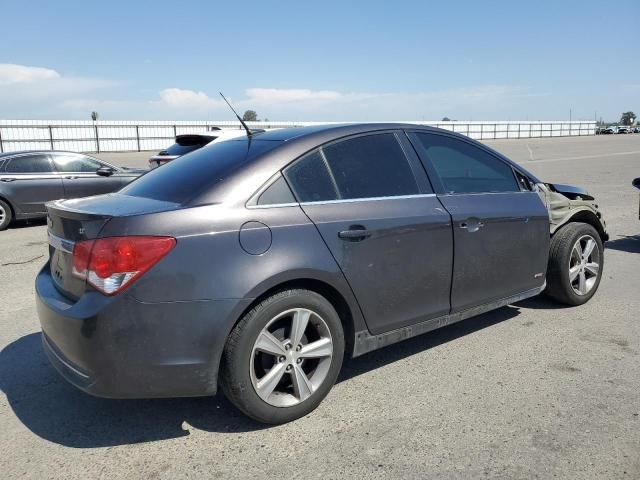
x: 110, y: 264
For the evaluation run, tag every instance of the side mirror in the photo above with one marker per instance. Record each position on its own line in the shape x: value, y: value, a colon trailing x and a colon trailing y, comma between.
x: 105, y: 171
x: 636, y: 183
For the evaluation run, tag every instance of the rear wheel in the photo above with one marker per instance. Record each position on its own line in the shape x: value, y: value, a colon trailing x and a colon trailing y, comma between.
x: 576, y: 259
x: 283, y: 357
x: 6, y: 215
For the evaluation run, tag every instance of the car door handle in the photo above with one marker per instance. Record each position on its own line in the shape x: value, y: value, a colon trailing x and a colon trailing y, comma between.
x: 356, y: 233
x: 70, y: 177
x: 7, y: 179
x: 471, y: 225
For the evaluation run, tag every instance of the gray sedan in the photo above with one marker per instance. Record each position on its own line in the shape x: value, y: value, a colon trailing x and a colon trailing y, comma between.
x: 258, y: 263
x: 29, y: 179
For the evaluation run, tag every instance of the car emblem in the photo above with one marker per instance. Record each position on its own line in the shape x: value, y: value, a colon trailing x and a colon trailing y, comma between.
x: 81, y: 231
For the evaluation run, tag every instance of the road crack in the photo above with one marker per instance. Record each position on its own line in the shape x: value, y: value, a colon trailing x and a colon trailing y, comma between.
x: 23, y: 262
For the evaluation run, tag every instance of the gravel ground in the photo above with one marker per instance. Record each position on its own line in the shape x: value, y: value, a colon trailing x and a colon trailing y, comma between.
x: 528, y: 391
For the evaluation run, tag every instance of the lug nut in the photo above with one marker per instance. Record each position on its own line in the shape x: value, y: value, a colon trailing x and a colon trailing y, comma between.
x: 282, y: 358
x: 298, y: 348
x: 299, y: 360
x: 289, y: 367
x: 287, y: 346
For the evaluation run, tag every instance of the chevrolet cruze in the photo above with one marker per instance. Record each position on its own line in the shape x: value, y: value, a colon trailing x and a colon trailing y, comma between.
x: 257, y: 264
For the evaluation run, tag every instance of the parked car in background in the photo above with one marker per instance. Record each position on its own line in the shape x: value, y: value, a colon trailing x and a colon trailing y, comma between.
x: 190, y: 142
x: 258, y: 263
x: 622, y: 129
x: 29, y: 179
x: 607, y: 130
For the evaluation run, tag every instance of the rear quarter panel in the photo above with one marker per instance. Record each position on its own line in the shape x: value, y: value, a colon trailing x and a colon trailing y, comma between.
x: 208, y: 262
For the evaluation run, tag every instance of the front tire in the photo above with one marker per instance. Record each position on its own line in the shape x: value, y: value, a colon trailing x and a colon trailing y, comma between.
x: 283, y: 357
x: 576, y: 260
x: 6, y: 215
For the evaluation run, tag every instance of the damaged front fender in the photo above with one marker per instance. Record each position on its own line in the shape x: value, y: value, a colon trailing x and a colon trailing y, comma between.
x: 566, y: 203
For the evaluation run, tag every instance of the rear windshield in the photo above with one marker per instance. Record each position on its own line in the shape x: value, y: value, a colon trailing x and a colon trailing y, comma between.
x: 177, y: 149
x: 188, y: 176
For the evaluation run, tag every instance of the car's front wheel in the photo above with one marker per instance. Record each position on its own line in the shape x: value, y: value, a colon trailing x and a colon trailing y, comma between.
x: 283, y: 356
x: 5, y: 215
x: 576, y: 259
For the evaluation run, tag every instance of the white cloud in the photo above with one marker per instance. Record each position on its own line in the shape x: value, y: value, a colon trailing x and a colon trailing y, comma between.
x: 37, y: 92
x: 486, y: 101
x: 11, y: 73
x: 269, y: 96
x: 188, y: 99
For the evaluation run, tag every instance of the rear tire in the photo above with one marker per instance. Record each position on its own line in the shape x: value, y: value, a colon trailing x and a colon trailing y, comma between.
x: 6, y: 215
x: 283, y: 357
x: 576, y: 260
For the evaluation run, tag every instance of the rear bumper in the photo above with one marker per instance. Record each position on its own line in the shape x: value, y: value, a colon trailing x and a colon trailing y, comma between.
x: 119, y: 347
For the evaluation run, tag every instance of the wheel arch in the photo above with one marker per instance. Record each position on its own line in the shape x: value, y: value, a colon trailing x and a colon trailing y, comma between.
x: 349, y: 313
x: 588, y: 217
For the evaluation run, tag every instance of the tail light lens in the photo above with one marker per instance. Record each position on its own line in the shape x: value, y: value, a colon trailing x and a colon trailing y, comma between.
x: 112, y: 264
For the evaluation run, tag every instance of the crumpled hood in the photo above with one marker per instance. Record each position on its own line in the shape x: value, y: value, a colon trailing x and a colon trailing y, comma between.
x: 570, y: 191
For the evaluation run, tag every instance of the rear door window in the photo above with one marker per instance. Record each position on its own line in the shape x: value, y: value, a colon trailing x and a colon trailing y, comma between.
x: 36, y: 163
x: 367, y: 166
x: 465, y: 168
x: 311, y: 179
x: 277, y: 193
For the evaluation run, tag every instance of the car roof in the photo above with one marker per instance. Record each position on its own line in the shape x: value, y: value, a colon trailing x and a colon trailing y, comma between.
x: 295, y: 142
x: 339, y: 129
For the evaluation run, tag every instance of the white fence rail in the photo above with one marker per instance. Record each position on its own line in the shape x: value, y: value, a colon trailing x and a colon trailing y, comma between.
x: 114, y: 136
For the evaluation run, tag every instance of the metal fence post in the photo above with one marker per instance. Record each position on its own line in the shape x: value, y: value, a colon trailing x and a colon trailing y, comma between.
x: 1, y: 146
x: 175, y: 132
x: 495, y: 127
x: 481, y: 131
x: 51, y: 137
x: 518, y: 130
x: 138, y: 136
x: 95, y: 130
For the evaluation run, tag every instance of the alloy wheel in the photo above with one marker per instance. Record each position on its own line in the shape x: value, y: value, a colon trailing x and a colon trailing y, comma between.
x: 584, y: 265
x: 291, y: 357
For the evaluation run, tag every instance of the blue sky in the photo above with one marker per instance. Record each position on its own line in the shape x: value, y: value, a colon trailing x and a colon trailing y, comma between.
x: 372, y: 60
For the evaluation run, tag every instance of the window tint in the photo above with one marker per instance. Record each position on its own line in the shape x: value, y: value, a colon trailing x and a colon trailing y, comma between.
x: 370, y: 166
x: 311, y: 180
x: 465, y: 168
x: 29, y: 164
x: 277, y: 193
x: 186, y: 177
x: 361, y: 167
x: 76, y: 163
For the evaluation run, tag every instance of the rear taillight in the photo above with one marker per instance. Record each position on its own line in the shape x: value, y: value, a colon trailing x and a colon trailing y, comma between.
x: 111, y: 264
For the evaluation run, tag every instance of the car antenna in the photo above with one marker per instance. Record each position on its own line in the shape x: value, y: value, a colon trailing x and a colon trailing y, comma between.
x: 237, y: 116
